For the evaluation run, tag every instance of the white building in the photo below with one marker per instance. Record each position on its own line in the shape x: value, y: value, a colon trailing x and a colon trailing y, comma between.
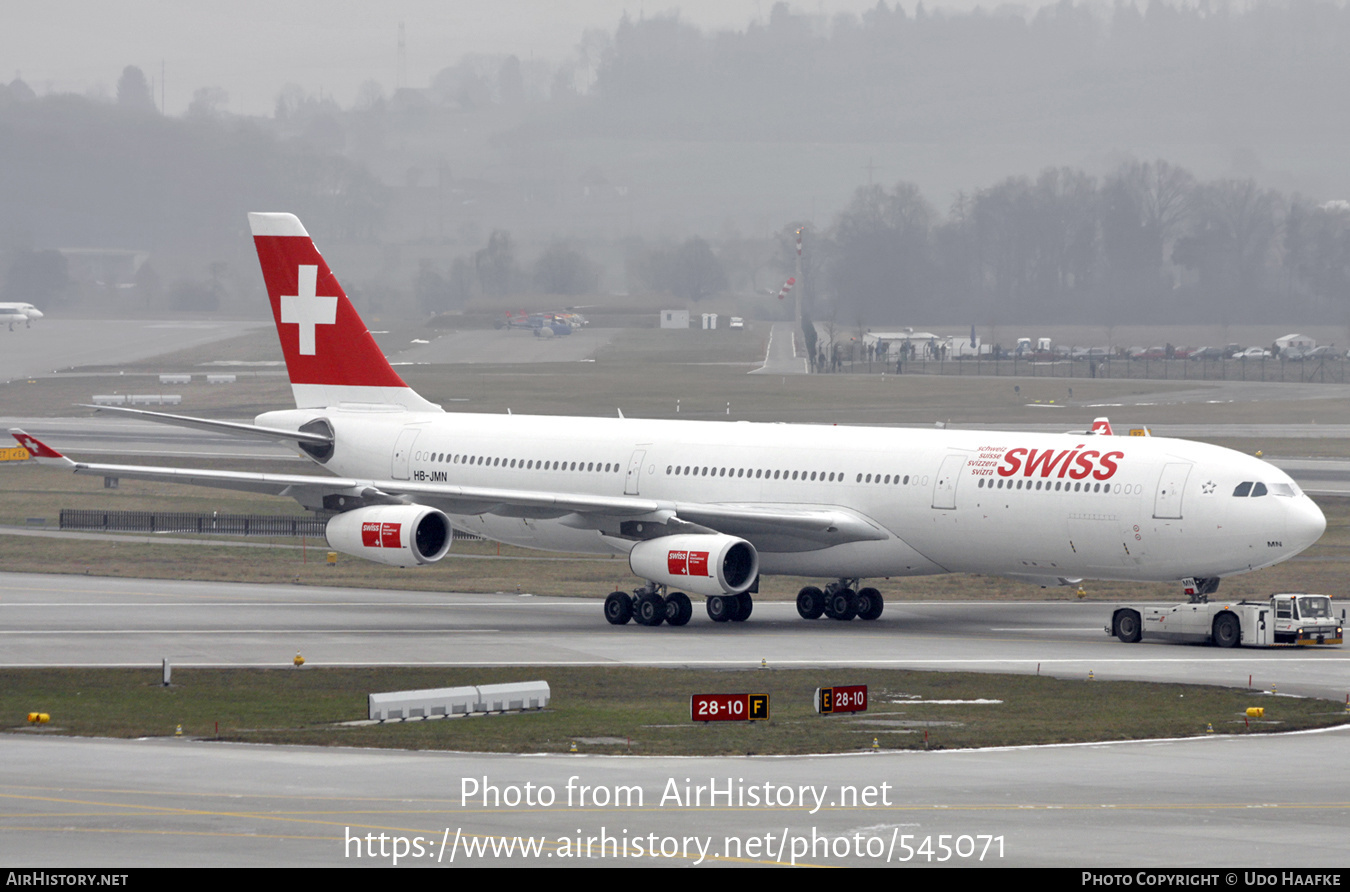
x: 674, y: 318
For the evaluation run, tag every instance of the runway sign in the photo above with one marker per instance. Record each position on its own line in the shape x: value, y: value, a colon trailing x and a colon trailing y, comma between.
x: 728, y: 707
x: 841, y: 698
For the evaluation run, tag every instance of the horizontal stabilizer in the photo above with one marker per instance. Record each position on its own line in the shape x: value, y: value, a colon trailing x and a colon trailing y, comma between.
x: 226, y: 427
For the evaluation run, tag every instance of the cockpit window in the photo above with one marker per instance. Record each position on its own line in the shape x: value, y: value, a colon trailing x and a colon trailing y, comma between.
x: 1243, y: 489
x: 1314, y: 608
x: 1282, y: 489
x: 1258, y: 489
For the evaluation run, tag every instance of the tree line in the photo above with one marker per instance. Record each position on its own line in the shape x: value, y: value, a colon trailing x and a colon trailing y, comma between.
x: 1149, y: 241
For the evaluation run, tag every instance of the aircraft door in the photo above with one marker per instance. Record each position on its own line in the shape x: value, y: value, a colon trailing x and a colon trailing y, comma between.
x: 1171, y: 487
x: 630, y: 483
x: 944, y: 490
x: 403, y: 453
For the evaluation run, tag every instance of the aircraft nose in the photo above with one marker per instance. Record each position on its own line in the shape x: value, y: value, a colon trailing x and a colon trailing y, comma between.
x: 1306, y: 523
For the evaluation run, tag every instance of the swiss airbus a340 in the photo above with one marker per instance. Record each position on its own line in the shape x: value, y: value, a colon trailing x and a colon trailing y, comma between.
x: 706, y: 507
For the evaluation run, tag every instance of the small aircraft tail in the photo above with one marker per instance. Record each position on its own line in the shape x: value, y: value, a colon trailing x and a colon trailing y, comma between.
x: 331, y: 356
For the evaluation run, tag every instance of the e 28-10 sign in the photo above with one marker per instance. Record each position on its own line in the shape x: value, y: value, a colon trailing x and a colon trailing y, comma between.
x: 841, y: 698
x: 728, y: 707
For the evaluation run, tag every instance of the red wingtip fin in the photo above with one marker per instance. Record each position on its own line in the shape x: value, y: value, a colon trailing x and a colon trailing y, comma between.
x: 38, y: 449
x: 1102, y: 426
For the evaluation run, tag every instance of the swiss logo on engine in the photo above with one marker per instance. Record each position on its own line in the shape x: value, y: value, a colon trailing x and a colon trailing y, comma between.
x: 381, y: 535
x: 687, y: 563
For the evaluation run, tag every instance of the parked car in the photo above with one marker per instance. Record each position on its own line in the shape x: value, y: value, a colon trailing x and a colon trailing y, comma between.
x: 1208, y: 353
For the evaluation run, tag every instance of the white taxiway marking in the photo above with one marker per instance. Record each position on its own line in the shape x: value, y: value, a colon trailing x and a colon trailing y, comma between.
x: 1045, y: 629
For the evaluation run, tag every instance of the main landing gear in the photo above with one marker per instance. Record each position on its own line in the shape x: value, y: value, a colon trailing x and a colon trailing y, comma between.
x: 650, y: 608
x: 840, y: 601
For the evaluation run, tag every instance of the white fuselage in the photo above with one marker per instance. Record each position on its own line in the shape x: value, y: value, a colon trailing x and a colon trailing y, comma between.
x: 1042, y: 507
x: 18, y: 312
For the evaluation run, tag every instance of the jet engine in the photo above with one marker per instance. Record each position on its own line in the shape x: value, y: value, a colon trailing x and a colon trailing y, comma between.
x: 401, y: 535
x: 704, y: 564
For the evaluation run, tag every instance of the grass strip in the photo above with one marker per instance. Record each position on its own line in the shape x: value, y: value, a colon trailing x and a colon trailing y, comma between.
x: 637, y: 710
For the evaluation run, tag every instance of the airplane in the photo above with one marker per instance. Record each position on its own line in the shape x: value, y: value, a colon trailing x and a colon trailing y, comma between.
x: 705, y: 507
x: 12, y: 313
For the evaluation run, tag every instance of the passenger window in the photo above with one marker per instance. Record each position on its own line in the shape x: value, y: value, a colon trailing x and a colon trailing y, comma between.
x: 1243, y: 490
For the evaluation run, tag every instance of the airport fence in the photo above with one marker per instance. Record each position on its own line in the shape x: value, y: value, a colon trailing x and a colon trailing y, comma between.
x: 1325, y: 371
x: 297, y: 526
x: 273, y: 525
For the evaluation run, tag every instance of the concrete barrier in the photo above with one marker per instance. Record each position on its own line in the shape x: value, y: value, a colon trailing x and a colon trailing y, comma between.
x: 441, y: 702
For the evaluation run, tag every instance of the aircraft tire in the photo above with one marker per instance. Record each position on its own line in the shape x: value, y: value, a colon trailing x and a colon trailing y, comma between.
x: 810, y: 602
x: 745, y: 605
x: 618, y: 608
x: 679, y: 609
x: 842, y: 605
x: 651, y: 610
x: 1227, y: 630
x: 870, y: 603
x: 1128, y: 627
x: 721, y: 608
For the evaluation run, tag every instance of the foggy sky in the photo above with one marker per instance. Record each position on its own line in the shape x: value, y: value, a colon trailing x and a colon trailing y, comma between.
x: 252, y: 48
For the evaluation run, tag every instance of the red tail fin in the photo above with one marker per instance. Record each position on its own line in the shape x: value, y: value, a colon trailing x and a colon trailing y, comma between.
x: 331, y: 356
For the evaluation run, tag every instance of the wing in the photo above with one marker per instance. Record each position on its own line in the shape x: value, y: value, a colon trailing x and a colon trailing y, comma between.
x: 768, y: 527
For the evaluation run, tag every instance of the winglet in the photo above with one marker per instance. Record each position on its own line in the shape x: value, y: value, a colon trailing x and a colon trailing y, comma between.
x: 41, y: 452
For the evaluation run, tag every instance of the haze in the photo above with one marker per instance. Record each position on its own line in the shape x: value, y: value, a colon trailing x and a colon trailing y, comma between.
x: 1068, y: 163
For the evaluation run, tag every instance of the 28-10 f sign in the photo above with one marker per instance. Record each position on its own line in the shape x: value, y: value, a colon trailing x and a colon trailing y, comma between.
x: 729, y: 707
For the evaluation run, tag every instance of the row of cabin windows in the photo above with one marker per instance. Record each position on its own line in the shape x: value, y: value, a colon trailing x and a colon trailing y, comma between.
x: 762, y: 474
x: 1061, y: 486
x: 524, y: 464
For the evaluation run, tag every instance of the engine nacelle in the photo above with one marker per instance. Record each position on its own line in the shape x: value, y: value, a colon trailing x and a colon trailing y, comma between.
x: 402, y: 535
x: 704, y: 564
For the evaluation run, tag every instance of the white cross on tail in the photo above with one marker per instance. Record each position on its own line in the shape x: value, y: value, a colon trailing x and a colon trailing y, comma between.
x: 307, y: 309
